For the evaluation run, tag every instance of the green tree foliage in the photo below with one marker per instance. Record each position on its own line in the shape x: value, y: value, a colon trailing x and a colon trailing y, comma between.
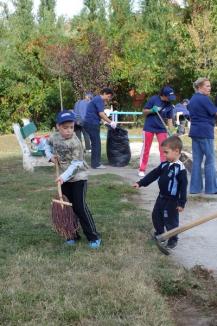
x: 46, y: 16
x: 23, y: 19
x: 48, y: 5
x: 201, y: 28
x: 108, y: 43
x: 27, y: 89
x: 196, y: 37
x: 86, y: 66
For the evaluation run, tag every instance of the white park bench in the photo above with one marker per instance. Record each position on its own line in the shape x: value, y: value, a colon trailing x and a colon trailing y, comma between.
x: 31, y: 157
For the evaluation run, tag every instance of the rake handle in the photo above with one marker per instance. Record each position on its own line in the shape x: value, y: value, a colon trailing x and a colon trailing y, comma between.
x: 186, y: 227
x: 164, y: 124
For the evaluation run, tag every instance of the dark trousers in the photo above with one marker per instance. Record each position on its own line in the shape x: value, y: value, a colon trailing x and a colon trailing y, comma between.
x: 165, y: 215
x: 94, y: 133
x: 76, y: 193
x: 79, y: 130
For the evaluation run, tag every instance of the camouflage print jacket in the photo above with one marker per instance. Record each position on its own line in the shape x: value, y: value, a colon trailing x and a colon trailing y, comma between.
x: 70, y: 152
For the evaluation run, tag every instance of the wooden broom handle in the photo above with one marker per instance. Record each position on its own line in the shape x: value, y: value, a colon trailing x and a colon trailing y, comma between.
x: 58, y: 183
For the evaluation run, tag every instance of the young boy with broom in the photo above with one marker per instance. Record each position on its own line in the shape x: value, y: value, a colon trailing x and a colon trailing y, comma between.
x: 64, y: 146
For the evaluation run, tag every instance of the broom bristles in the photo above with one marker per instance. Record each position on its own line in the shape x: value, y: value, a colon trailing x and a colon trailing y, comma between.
x: 64, y: 219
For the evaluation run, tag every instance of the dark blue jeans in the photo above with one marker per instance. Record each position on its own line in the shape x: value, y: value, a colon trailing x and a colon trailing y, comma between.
x: 203, y: 147
x: 94, y: 133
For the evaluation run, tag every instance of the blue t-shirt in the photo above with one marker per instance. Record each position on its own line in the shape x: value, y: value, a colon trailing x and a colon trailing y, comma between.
x: 202, y: 116
x: 180, y: 108
x: 152, y: 121
x: 93, y: 109
x: 80, y: 110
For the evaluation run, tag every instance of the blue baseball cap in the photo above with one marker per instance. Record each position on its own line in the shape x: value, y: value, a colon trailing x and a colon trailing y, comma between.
x: 169, y: 93
x: 64, y: 116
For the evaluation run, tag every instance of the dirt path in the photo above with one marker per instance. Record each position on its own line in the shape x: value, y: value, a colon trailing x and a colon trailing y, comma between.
x: 196, y: 246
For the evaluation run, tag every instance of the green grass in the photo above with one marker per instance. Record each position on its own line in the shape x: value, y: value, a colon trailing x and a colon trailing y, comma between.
x: 44, y: 282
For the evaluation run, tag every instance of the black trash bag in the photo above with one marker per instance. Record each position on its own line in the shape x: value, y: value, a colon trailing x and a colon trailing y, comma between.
x: 118, y: 147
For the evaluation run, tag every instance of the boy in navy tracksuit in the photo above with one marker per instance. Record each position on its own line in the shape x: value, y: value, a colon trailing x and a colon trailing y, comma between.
x: 172, y: 181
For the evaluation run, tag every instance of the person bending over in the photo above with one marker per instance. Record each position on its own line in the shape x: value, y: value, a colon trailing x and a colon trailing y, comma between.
x: 95, y: 112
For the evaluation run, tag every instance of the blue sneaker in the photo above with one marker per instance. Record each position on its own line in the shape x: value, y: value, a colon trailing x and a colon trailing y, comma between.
x: 70, y: 242
x: 95, y: 244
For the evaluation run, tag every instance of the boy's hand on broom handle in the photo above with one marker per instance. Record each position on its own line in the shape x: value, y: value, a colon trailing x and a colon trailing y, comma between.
x: 54, y: 159
x: 180, y: 209
x: 60, y: 180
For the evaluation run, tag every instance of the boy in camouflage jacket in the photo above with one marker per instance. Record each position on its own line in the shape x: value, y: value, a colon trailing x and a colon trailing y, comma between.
x: 66, y: 147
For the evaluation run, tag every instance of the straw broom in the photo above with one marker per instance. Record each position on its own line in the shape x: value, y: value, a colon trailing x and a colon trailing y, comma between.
x: 64, y: 219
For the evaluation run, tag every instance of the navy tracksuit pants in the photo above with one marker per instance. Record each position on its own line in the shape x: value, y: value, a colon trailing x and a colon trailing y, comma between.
x: 165, y: 215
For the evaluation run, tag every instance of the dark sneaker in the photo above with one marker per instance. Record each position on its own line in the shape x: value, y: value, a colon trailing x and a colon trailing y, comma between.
x: 172, y: 244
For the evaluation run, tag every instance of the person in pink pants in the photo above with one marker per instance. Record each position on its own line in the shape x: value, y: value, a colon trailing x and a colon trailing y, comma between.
x: 153, y: 125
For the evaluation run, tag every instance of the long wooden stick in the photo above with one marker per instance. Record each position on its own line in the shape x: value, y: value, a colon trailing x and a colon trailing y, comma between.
x: 61, y: 201
x: 58, y: 183
x: 164, y: 124
x: 186, y: 227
